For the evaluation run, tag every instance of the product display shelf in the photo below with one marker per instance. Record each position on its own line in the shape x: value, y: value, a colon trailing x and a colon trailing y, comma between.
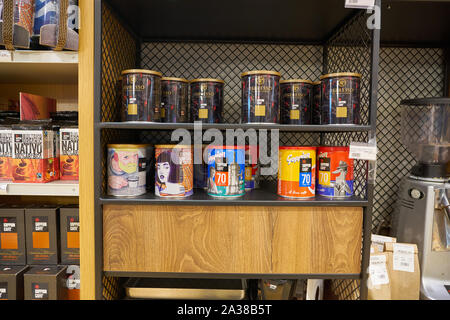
x: 121, y: 42
x: 223, y: 126
x: 59, y: 188
x: 263, y: 196
x: 38, y: 67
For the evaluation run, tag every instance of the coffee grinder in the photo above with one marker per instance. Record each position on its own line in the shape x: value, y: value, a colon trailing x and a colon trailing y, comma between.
x: 423, y: 213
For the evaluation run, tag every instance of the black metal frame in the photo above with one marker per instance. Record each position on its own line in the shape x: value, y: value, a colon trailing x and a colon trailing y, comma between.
x: 100, y: 199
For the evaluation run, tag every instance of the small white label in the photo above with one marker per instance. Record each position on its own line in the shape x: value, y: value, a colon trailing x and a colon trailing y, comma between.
x: 272, y: 286
x: 377, y: 270
x: 360, y: 4
x: 362, y: 151
x: 259, y: 101
x: 3, y: 187
x: 5, y: 56
x: 403, y: 257
x: 379, y: 241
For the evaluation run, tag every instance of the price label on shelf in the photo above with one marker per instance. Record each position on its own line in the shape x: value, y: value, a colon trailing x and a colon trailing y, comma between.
x: 360, y: 4
x: 3, y: 188
x: 5, y: 56
x: 363, y: 151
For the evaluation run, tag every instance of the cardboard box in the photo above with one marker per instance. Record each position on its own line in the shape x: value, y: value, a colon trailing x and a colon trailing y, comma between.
x: 42, y: 234
x: 72, y: 283
x: 69, y: 164
x: 12, y: 235
x: 379, y: 241
x: 5, y: 152
x: 70, y: 235
x: 379, y: 282
x: 11, y: 282
x: 35, y: 107
x: 33, y: 156
x: 403, y: 266
x: 45, y: 283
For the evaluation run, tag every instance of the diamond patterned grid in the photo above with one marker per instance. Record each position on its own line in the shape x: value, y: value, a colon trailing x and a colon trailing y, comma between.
x: 405, y: 73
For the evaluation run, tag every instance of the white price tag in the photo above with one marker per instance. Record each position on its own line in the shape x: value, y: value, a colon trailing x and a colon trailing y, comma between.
x: 5, y: 56
x: 403, y: 257
x: 360, y: 4
x: 3, y: 187
x: 377, y: 270
x: 362, y: 151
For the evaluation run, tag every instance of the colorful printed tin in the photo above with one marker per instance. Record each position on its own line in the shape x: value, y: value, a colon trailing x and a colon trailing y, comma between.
x: 226, y: 171
x: 340, y: 98
x: 207, y: 100
x: 297, y: 172
x: 316, y: 103
x: 295, y: 101
x: 23, y: 14
x: 46, y: 12
x: 251, y: 167
x: 174, y: 171
x: 260, y: 96
x: 127, y: 166
x: 335, y: 172
x: 174, y: 100
x: 141, y: 95
x: 6, y: 144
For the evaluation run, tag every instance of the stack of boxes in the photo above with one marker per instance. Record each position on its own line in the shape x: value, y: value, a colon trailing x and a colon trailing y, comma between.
x: 394, y: 271
x: 39, y: 252
x: 39, y: 151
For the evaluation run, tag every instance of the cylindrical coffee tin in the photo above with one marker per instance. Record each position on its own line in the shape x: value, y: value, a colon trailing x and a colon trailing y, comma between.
x: 207, y: 100
x: 174, y: 100
x: 251, y: 167
x: 295, y: 101
x: 127, y: 167
x: 297, y: 172
x: 335, y: 172
x: 174, y: 171
x: 340, y: 98
x: 260, y: 96
x: 226, y: 171
x: 316, y: 103
x: 141, y: 95
x: 201, y: 171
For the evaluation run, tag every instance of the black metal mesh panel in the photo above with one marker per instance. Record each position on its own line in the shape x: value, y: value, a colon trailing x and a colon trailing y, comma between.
x: 227, y: 61
x: 118, y: 53
x: 112, y: 288
x: 346, y: 289
x: 405, y: 73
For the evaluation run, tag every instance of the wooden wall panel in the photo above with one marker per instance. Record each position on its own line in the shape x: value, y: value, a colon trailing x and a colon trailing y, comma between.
x: 248, y: 239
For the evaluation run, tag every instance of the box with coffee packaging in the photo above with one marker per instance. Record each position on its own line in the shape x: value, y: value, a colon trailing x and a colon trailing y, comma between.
x: 12, y: 235
x: 11, y: 282
x: 69, y: 163
x: 42, y: 234
x: 70, y: 235
x: 45, y: 283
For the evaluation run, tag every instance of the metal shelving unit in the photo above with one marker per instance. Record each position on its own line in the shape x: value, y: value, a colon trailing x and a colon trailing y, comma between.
x: 123, y: 40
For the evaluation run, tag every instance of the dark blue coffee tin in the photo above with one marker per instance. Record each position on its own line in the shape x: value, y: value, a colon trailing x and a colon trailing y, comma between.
x: 316, y: 103
x: 340, y: 98
x: 207, y: 100
x: 260, y: 96
x: 174, y: 100
x: 295, y: 101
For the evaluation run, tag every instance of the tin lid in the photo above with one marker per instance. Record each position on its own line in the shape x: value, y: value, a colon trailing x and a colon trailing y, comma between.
x: 226, y: 147
x: 255, y: 72
x: 334, y: 148
x: 172, y: 146
x: 206, y: 80
x: 316, y: 82
x: 127, y: 146
x: 296, y: 81
x: 174, y: 79
x: 155, y: 73
x: 340, y: 74
x: 297, y: 148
